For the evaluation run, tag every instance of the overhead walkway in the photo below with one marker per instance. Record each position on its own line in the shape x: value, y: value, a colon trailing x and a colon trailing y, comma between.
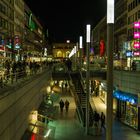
x: 60, y: 72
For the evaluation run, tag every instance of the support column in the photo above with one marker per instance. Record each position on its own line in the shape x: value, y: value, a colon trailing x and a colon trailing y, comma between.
x: 87, y: 89
x: 139, y: 112
x: 109, y: 113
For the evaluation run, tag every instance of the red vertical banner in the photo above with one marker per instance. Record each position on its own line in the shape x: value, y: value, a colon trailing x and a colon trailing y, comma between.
x: 102, y: 47
x: 33, y: 137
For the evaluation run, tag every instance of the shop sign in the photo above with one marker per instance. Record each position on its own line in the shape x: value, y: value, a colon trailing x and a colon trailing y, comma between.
x: 137, y: 25
x: 129, y: 54
x: 136, y: 53
x: 137, y: 45
x: 136, y: 35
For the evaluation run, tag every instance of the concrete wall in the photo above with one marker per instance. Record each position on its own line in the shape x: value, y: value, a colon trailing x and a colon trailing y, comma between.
x: 16, y: 106
x: 127, y: 81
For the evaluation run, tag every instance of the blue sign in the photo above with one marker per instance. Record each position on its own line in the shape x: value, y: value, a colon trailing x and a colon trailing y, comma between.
x: 129, y: 54
x: 133, y: 99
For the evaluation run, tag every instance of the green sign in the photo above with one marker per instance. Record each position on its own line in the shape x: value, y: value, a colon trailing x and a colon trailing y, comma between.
x: 31, y: 23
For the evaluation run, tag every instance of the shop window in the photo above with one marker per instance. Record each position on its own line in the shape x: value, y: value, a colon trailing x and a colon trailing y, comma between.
x: 131, y: 115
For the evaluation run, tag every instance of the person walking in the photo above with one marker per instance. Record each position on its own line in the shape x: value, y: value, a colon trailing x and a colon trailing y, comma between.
x: 67, y: 105
x: 102, y: 119
x: 61, y: 103
x: 96, y: 122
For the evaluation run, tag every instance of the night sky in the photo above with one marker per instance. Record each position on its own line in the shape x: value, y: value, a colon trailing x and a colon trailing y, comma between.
x: 67, y: 19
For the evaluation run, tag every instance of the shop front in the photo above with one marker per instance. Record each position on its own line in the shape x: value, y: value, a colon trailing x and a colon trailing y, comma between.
x: 103, y: 95
x: 39, y: 128
x: 127, y: 110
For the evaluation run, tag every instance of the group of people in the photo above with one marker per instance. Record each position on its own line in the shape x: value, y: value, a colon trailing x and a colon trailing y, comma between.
x: 63, y: 104
x: 99, y: 120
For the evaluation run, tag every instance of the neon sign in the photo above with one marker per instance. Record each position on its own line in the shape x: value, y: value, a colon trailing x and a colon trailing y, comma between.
x: 31, y: 23
x: 136, y: 53
x: 136, y: 25
x: 125, y: 97
x: 137, y: 45
x: 136, y: 35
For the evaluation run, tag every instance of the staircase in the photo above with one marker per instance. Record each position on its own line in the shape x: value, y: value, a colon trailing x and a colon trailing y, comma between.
x: 81, y: 101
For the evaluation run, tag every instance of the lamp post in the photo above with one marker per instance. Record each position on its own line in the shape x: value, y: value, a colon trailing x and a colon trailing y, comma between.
x: 81, y: 46
x: 75, y: 57
x: 110, y: 43
x: 87, y: 76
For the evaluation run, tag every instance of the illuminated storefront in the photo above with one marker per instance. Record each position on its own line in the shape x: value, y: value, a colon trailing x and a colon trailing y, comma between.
x: 127, y: 110
x: 103, y: 95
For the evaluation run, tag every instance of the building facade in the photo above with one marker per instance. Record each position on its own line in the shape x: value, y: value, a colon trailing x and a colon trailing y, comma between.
x: 6, y: 29
x: 34, y: 37
x: 126, y: 79
x: 62, y: 50
x: 18, y: 29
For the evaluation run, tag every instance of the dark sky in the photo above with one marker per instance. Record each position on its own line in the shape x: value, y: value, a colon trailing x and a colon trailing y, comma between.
x: 67, y: 19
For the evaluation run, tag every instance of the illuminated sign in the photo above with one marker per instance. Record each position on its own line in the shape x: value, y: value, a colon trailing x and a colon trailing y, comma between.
x: 136, y: 35
x: 110, y: 11
x: 136, y: 53
x: 125, y: 97
x: 129, y: 54
x: 137, y: 45
x: 31, y: 23
x: 136, y: 25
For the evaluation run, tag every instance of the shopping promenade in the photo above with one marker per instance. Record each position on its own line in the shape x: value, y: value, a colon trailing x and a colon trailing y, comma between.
x: 67, y: 126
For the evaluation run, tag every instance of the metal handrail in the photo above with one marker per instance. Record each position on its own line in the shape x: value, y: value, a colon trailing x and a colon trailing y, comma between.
x: 76, y: 99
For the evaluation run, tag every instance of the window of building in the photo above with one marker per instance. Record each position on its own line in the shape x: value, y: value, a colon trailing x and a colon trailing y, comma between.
x: 136, y: 2
x: 136, y: 16
x: 129, y: 8
x: 139, y: 14
x: 0, y: 22
x: 128, y: 20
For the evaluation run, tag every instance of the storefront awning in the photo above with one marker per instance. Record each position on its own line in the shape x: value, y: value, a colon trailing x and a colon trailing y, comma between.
x: 124, y: 96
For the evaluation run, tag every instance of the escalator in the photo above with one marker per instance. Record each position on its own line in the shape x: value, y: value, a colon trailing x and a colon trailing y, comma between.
x: 80, y: 96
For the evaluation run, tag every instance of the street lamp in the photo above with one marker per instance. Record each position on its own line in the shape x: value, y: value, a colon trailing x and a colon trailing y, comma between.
x: 75, y: 57
x: 110, y: 43
x: 81, y: 46
x: 88, y: 33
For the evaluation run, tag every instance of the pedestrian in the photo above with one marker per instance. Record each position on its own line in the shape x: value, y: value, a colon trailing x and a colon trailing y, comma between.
x: 102, y: 119
x: 134, y: 65
x: 1, y: 82
x: 61, y: 103
x: 96, y: 122
x: 66, y: 86
x: 67, y: 105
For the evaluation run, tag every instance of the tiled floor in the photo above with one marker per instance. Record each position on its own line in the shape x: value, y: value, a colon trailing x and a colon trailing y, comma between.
x: 67, y: 126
